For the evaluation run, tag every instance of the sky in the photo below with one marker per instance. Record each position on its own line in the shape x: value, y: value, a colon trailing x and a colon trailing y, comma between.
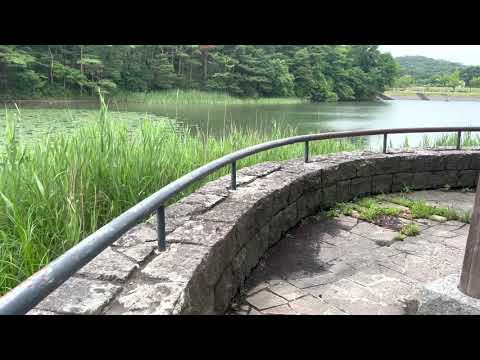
x: 465, y: 54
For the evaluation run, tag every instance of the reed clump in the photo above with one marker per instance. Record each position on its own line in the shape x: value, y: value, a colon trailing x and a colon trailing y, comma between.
x: 191, y: 97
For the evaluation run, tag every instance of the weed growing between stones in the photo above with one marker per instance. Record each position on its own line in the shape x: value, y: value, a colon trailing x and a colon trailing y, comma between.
x: 421, y: 210
x: 368, y: 209
x: 410, y: 230
x: 376, y: 210
x: 400, y: 237
x: 341, y: 209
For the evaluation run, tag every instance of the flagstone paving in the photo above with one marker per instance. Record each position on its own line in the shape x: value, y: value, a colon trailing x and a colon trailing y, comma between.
x: 342, y: 266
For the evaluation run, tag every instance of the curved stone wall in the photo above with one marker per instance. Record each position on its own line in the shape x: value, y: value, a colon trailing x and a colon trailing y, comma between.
x: 217, y: 236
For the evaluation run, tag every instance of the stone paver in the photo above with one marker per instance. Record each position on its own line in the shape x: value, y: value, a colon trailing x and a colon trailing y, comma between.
x: 354, y: 298
x: 440, y: 231
x: 109, y: 265
x: 349, y: 266
x: 147, y: 299
x: 280, y: 310
x: 309, y: 281
x: 41, y: 312
x: 287, y: 291
x: 379, y: 235
x: 310, y: 305
x: 443, y: 297
x: 462, y: 201
x: 265, y: 299
x: 257, y: 288
x: 459, y: 242
x: 438, y: 218
x: 85, y: 297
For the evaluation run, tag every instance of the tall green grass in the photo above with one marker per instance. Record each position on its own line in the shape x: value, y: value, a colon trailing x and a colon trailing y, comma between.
x: 468, y: 140
x: 190, y: 97
x: 56, y: 192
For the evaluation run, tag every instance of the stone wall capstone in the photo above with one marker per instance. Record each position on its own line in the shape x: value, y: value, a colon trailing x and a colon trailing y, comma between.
x: 216, y: 236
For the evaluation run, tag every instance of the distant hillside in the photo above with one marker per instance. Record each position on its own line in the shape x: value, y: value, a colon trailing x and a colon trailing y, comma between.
x: 423, y: 68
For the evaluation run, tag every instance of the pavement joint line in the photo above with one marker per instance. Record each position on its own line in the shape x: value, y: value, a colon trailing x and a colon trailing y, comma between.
x: 398, y: 272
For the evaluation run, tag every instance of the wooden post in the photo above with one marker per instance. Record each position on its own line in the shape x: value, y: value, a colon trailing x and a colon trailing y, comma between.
x: 470, y: 278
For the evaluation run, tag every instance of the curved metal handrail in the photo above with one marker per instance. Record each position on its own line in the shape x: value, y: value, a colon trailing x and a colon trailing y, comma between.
x: 29, y: 293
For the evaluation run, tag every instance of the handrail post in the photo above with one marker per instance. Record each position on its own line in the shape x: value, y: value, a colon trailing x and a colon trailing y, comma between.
x: 459, y: 140
x: 306, y: 152
x: 385, y: 143
x: 234, y: 175
x: 470, y: 278
x: 161, y: 228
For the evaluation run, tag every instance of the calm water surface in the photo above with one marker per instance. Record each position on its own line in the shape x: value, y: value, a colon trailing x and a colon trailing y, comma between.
x: 306, y: 118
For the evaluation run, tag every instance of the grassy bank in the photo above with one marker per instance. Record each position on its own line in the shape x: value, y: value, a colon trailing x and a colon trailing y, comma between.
x: 65, y: 97
x: 55, y: 192
x: 191, y: 97
x: 434, y: 91
x: 167, y: 97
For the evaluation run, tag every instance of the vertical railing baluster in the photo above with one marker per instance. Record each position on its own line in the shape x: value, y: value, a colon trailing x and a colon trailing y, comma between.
x: 161, y: 228
x: 306, y: 152
x: 385, y: 143
x: 459, y: 140
x: 234, y: 175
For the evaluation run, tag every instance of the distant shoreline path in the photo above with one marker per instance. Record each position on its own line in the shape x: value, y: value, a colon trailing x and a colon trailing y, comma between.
x: 433, y: 97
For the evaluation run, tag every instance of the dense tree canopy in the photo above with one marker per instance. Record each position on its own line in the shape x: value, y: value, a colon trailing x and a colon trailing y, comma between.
x: 420, y: 70
x: 426, y: 71
x: 315, y: 72
x: 470, y: 73
x: 475, y: 82
x: 404, y: 81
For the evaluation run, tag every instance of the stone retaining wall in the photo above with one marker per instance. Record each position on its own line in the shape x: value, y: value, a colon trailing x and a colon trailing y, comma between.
x: 217, y: 236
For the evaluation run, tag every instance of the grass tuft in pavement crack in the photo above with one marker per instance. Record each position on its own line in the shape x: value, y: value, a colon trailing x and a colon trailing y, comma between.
x: 374, y: 209
x: 410, y: 230
x: 368, y: 209
x: 421, y: 210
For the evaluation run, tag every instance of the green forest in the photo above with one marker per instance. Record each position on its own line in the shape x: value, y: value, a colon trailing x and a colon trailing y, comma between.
x: 421, y: 70
x: 315, y: 73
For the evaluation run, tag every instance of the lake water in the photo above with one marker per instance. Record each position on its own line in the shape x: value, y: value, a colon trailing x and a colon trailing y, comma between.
x: 306, y: 118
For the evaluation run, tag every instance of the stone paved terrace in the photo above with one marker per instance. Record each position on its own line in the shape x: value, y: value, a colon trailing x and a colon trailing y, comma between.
x: 217, y: 236
x: 345, y: 266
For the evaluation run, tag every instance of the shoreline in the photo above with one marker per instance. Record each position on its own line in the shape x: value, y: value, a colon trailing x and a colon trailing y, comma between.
x: 435, y: 97
x: 95, y: 100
